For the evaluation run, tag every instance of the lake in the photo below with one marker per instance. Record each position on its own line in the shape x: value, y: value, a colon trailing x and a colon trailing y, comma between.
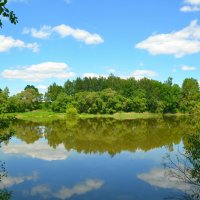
x: 93, y: 159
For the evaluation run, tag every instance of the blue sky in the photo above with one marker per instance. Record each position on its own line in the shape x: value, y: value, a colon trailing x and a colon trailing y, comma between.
x: 54, y: 42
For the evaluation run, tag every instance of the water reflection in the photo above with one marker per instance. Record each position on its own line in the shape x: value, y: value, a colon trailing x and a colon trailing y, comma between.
x: 184, y: 167
x: 159, y: 178
x: 96, y: 158
x: 106, y: 135
x: 39, y: 150
x: 5, y: 134
x: 65, y: 192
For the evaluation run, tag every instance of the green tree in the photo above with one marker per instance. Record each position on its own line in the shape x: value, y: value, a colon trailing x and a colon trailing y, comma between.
x: 71, y: 111
x: 190, y: 94
x: 4, y: 95
x: 53, y: 91
x: 59, y: 105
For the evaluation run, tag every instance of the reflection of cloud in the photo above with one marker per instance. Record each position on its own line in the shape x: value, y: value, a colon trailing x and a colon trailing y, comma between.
x: 10, y: 181
x: 87, y: 186
x: 64, y: 192
x: 37, y: 150
x: 42, y: 190
x: 158, y: 177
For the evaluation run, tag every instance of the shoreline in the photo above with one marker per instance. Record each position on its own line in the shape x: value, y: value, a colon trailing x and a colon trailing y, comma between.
x: 46, y: 116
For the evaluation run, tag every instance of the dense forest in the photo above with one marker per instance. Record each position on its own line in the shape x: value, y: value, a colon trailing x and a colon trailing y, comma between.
x: 107, y: 96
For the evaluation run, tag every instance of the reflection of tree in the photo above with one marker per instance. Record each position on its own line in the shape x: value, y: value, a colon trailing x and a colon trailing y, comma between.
x: 107, y: 135
x: 5, y: 135
x: 28, y: 131
x: 4, y: 194
x: 185, y: 168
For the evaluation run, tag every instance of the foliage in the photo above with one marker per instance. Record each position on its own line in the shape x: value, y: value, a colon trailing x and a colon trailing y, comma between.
x: 107, y: 96
x: 71, y: 111
x: 5, y: 12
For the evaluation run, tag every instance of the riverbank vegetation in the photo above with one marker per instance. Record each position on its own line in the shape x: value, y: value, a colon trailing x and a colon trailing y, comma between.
x: 48, y: 116
x: 106, y: 96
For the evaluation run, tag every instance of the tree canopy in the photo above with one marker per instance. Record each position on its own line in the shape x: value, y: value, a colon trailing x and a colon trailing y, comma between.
x: 107, y: 96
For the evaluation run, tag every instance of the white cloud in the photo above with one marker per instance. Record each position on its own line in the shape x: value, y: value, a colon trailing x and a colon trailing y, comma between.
x: 43, y: 33
x: 10, y: 181
x: 39, y: 72
x: 92, y: 75
x: 37, y: 150
x: 65, y: 31
x: 139, y: 74
x: 7, y: 43
x: 191, y: 6
x: 65, y: 192
x: 179, y: 44
x: 159, y: 178
x: 188, y: 68
x: 194, y: 2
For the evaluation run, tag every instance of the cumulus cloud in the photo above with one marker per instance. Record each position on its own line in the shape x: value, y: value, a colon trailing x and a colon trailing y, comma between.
x: 179, y: 44
x: 188, y: 68
x: 139, y: 74
x: 10, y: 181
x: 65, y: 31
x: 191, y: 6
x: 92, y: 75
x: 43, y: 33
x: 37, y: 150
x: 7, y: 43
x: 158, y: 177
x: 39, y: 72
x: 65, y: 192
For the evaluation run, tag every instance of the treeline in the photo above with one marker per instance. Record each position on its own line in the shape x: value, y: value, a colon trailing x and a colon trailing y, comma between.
x: 107, y: 96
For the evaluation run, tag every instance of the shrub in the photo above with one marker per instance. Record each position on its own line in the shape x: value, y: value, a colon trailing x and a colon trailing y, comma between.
x: 71, y: 111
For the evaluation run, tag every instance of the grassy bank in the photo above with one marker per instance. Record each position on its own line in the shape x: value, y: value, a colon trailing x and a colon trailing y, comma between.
x: 46, y: 116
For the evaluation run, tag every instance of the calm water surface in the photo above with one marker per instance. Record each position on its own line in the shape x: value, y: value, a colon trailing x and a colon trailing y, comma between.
x: 93, y: 159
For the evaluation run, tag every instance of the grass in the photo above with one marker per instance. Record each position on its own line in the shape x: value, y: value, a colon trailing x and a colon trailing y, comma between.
x: 133, y: 115
x: 47, y: 116
x: 40, y: 116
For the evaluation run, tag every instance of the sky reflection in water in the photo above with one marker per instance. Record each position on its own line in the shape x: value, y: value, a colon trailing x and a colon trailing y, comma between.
x: 93, y: 159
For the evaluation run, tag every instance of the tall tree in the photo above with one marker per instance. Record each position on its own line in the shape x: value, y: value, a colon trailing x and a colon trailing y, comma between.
x: 190, y: 94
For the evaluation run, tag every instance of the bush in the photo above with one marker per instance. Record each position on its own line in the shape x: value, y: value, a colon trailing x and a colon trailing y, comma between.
x: 71, y: 111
